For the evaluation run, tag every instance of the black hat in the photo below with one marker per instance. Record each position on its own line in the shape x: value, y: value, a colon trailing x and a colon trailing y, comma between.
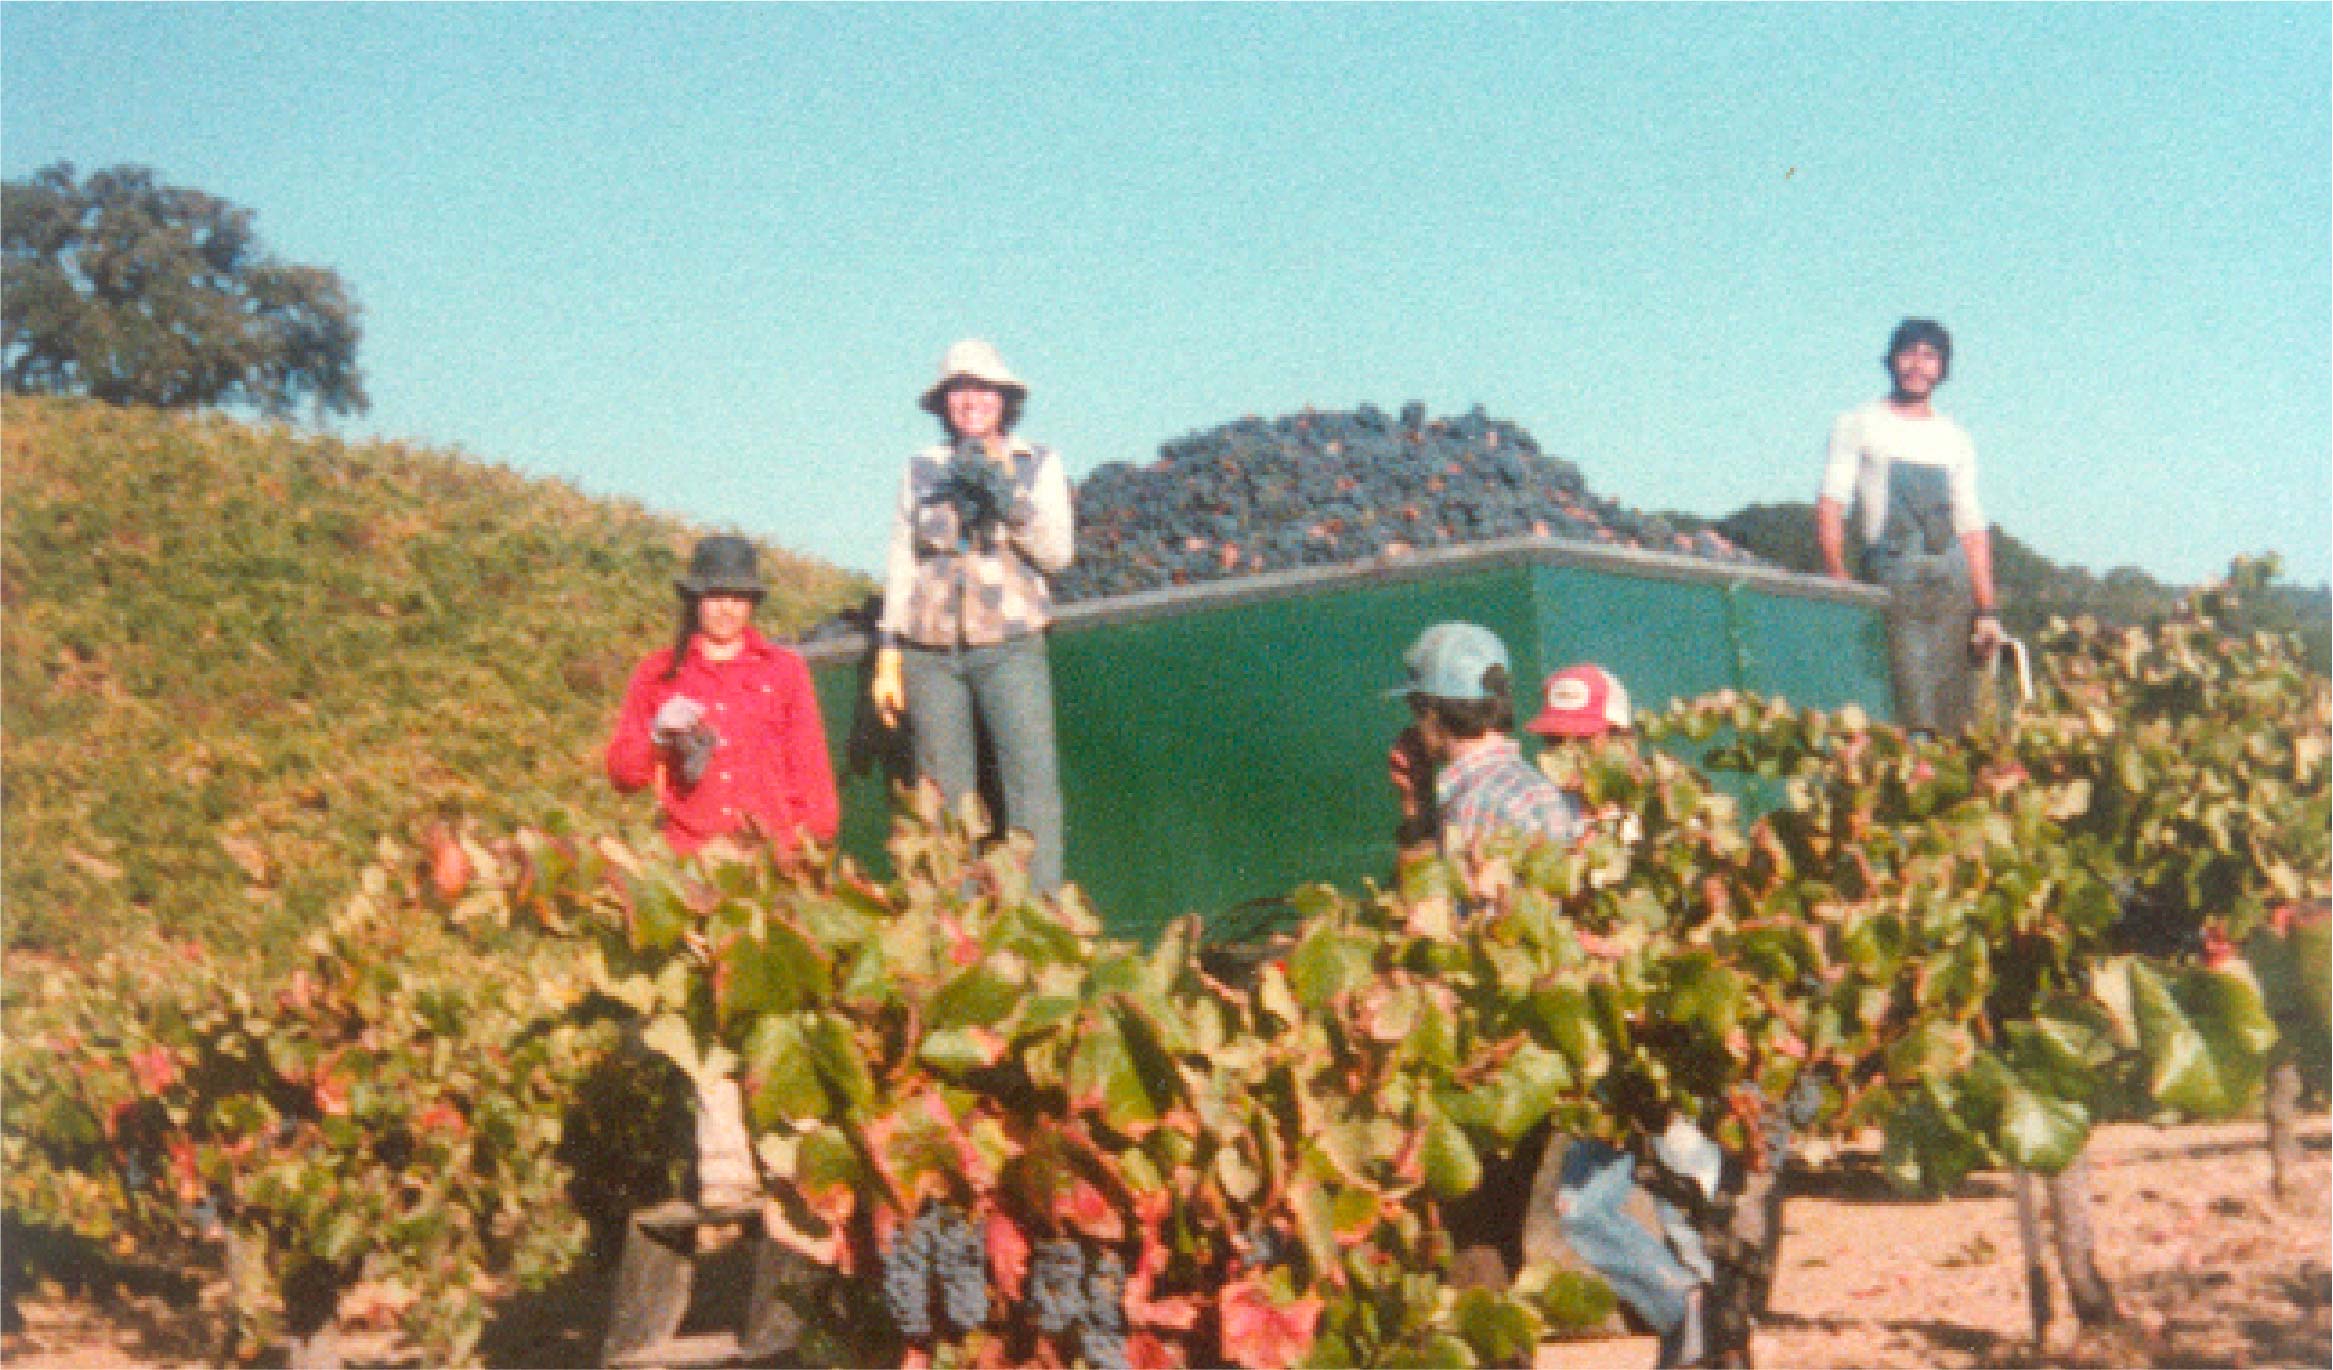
x: 723, y: 565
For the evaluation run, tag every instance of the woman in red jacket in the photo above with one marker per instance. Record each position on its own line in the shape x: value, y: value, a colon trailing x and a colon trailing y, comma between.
x: 723, y: 723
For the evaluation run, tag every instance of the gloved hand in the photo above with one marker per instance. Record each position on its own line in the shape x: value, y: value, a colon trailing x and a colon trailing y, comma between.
x: 981, y: 490
x: 695, y: 747
x: 885, y: 689
x: 676, y: 716
x: 1985, y: 638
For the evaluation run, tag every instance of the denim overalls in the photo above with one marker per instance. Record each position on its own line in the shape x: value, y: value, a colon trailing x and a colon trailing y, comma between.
x: 1921, y: 563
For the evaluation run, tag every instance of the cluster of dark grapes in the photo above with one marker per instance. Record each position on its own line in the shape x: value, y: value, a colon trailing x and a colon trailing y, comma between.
x: 1798, y: 1112
x: 1072, y: 1295
x: 1805, y: 1103
x: 1321, y: 488
x: 939, y: 1259
x: 980, y: 490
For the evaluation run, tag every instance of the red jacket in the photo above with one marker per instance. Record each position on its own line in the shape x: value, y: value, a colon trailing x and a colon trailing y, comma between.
x: 771, y: 765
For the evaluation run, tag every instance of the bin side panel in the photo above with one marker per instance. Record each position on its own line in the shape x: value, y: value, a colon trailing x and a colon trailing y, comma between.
x: 1663, y: 639
x: 1816, y: 653
x: 1669, y: 640
x: 859, y: 768
x: 1229, y: 755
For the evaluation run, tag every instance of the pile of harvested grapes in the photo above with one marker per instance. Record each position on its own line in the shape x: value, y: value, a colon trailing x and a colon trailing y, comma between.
x: 1320, y: 488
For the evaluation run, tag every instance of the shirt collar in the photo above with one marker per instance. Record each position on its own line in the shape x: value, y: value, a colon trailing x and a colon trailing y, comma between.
x: 1490, y: 753
x: 755, y: 646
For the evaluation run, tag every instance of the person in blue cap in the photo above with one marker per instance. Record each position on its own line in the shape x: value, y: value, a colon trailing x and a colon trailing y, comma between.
x: 1461, y: 780
x: 1457, y: 772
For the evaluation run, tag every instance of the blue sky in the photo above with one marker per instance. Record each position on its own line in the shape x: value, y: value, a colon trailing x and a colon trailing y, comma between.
x: 708, y: 256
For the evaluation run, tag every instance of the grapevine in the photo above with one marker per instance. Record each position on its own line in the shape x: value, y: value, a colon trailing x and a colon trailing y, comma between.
x: 1027, y: 1142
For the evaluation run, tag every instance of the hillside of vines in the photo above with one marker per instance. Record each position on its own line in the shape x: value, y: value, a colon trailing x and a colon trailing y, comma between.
x: 965, y: 1100
x: 343, y: 702
x: 237, y: 656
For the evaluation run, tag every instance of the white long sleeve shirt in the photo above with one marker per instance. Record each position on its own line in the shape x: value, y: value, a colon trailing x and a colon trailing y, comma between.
x: 1868, y: 439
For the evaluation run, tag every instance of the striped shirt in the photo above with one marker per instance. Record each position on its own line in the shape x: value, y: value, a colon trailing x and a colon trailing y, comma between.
x: 1491, y: 788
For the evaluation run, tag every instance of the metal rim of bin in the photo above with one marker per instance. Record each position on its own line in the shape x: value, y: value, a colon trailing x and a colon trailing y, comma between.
x: 1526, y: 550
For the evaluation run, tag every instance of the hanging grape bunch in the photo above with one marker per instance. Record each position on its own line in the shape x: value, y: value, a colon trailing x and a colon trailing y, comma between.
x: 935, y: 1286
x: 938, y: 1257
x: 1323, y: 488
x: 1080, y: 1301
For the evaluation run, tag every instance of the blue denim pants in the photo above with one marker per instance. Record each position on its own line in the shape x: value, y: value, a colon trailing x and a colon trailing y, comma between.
x: 953, y: 693
x: 1651, y: 1275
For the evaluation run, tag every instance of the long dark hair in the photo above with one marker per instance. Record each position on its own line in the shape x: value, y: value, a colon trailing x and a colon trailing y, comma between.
x: 682, y: 636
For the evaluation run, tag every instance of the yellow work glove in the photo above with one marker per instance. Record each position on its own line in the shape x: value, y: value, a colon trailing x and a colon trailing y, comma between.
x: 889, y: 695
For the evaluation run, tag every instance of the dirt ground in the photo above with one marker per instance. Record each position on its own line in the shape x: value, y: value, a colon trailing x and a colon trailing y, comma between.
x: 2207, y: 1271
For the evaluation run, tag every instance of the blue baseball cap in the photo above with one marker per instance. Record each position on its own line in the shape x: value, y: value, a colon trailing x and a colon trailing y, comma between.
x: 1449, y: 661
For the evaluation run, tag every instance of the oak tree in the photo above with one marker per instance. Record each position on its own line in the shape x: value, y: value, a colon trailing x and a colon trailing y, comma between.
x: 134, y: 292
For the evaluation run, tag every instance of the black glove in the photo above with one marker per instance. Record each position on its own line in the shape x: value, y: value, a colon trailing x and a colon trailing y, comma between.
x: 980, y: 490
x: 694, y: 750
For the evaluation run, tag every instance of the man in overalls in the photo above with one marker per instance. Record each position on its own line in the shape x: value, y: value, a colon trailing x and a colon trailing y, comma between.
x: 1911, y: 475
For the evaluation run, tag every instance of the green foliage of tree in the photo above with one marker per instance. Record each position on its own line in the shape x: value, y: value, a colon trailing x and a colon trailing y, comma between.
x: 1781, y: 533
x: 236, y: 657
x: 134, y: 292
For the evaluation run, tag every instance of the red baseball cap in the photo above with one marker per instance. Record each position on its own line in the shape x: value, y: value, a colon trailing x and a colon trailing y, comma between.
x: 1582, y: 701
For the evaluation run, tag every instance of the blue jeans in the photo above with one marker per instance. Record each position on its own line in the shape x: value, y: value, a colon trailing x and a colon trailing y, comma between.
x: 1650, y: 1275
x: 954, y: 693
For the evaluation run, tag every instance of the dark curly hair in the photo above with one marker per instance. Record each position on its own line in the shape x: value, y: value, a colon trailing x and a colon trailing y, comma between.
x: 1914, y: 331
x: 1467, y: 719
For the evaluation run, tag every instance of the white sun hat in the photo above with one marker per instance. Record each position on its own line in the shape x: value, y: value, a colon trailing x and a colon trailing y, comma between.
x: 973, y: 359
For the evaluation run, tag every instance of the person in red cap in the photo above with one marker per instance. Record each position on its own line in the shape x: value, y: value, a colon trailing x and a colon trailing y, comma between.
x: 1659, y: 1273
x: 1582, y: 701
x: 1582, y: 704
x: 1460, y: 748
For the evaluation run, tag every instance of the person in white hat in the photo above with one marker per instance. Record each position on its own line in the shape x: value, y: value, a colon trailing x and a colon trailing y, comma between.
x: 982, y: 520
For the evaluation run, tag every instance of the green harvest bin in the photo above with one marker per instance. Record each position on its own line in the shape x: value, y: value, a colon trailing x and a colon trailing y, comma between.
x: 1224, y: 744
